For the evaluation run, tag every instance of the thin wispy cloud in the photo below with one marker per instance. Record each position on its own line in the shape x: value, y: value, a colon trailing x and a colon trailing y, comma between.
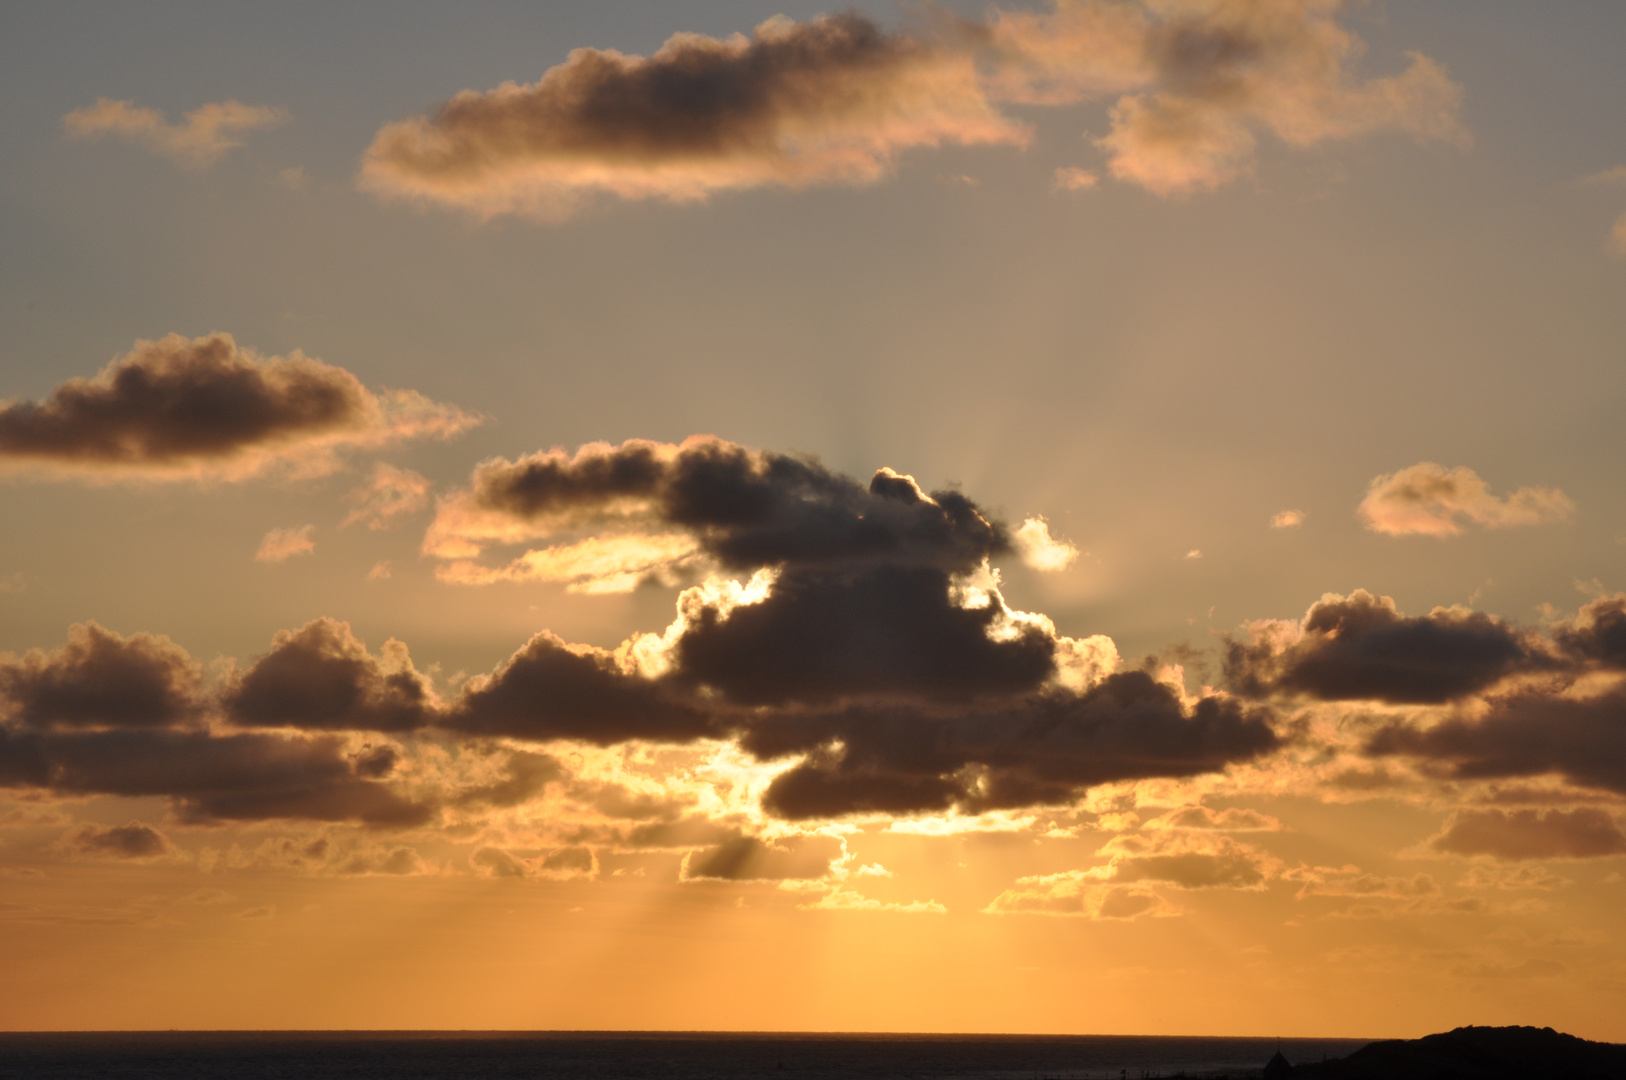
x: 206, y: 135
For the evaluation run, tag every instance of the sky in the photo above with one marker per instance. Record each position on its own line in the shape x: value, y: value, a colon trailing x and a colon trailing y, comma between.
x: 1092, y: 516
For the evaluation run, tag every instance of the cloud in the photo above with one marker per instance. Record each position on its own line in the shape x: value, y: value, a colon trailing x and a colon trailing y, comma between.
x: 1039, y: 549
x: 1077, y: 895
x: 1360, y: 647
x: 1072, y: 178
x: 1233, y: 819
x: 1617, y: 237
x: 551, y: 690
x: 1025, y: 751
x: 203, y: 408
x: 132, y: 841
x: 1616, y: 175
x: 100, y: 679
x: 751, y: 858
x: 321, y: 677
x: 207, y: 777
x: 1186, y: 860
x: 1350, y: 881
x: 1533, y: 732
x: 835, y: 99
x: 208, y: 133
x: 1430, y: 500
x: 1287, y: 519
x: 280, y: 545
x: 1584, y: 833
x: 1598, y: 632
x: 389, y: 495
x: 838, y: 99
x: 497, y: 863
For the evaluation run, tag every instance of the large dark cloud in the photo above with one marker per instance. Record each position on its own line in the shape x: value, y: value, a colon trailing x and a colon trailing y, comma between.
x: 1598, y: 632
x: 206, y: 407
x: 207, y: 777
x: 1042, y: 749
x: 1532, y: 733
x: 100, y: 679
x: 1360, y: 648
x: 824, y: 634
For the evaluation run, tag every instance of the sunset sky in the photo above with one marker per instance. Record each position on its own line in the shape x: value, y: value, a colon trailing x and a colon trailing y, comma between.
x: 1096, y: 516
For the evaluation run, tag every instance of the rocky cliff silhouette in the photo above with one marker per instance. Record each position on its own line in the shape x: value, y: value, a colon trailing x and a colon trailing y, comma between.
x: 1477, y: 1053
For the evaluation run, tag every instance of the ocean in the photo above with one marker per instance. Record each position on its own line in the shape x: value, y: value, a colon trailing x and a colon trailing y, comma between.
x: 452, y: 1055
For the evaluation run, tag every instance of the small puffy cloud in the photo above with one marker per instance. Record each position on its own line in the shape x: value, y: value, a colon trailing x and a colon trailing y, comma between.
x: 1583, y: 833
x: 1360, y: 647
x: 208, y: 132
x: 1287, y: 519
x: 1597, y: 634
x: 1039, y: 549
x: 1072, y: 178
x: 205, y: 409
x: 1194, y: 553
x: 280, y: 545
x: 1430, y: 500
x: 381, y: 571
x: 132, y: 841
x: 835, y: 99
x: 388, y: 496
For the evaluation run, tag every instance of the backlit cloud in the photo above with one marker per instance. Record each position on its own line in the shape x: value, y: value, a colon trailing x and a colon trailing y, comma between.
x: 837, y: 99
x: 1430, y: 500
x: 208, y: 132
x: 203, y: 408
x: 1287, y: 519
x: 132, y: 841
x: 831, y: 100
x: 1360, y: 647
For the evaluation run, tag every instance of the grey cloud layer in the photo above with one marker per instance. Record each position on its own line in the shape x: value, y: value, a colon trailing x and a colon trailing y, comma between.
x: 838, y: 98
x: 205, y: 407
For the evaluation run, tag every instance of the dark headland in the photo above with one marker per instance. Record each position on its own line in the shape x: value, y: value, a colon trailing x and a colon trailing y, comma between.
x: 1476, y: 1053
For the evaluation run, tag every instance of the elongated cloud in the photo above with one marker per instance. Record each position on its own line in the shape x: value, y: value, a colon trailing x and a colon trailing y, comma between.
x: 203, y: 408
x: 280, y: 545
x: 208, y: 133
x: 133, y: 841
x: 1430, y: 500
x: 835, y: 99
x: 1360, y: 647
x: 838, y: 99
x: 389, y: 496
x: 1583, y: 833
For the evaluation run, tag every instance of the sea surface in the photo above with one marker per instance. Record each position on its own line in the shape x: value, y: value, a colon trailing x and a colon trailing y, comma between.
x: 451, y: 1055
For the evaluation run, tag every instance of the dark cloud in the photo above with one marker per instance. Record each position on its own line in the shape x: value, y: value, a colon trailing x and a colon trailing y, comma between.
x: 321, y: 677
x: 206, y: 407
x: 748, y: 509
x: 525, y: 774
x: 1360, y: 648
x: 824, y: 634
x: 751, y: 858
x: 1043, y: 749
x: 1583, y: 833
x: 1527, y: 734
x: 100, y: 679
x: 495, y: 862
x: 132, y: 841
x: 1598, y: 632
x: 549, y: 690
x: 246, y: 777
x: 833, y: 99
